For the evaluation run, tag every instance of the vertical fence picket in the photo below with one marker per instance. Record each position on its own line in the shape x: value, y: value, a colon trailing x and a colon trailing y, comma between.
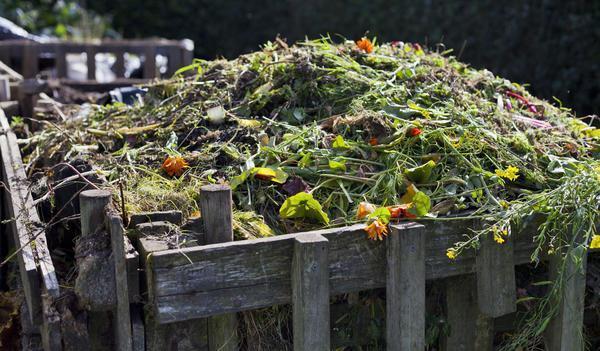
x: 216, y: 210
x: 60, y: 57
x: 565, y: 331
x: 122, y: 319
x: 90, y: 52
x: 405, y: 288
x: 310, y: 293
x: 469, y: 329
x: 496, y: 286
x: 150, y: 62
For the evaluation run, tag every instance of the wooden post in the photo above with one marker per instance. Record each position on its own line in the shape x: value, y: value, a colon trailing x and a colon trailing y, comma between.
x: 405, y: 288
x: 30, y: 60
x: 565, y: 331
x: 310, y: 293
x: 92, y: 204
x: 90, y: 52
x: 216, y: 211
x: 496, y: 287
x: 4, y: 88
x: 119, y: 67
x: 60, y: 60
x: 150, y: 61
x: 122, y: 323
x: 469, y: 329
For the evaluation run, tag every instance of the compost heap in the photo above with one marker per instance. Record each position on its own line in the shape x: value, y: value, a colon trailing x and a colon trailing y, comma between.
x: 321, y: 134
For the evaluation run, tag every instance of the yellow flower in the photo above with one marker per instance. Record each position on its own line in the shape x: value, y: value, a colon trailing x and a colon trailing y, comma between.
x: 364, y: 209
x: 595, y: 244
x: 451, y: 253
x: 498, y: 238
x: 376, y: 230
x: 510, y: 173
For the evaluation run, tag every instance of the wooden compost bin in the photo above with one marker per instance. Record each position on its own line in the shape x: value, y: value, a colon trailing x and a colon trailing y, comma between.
x: 202, y: 287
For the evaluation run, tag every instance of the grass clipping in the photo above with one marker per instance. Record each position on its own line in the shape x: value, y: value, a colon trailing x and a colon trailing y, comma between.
x: 384, y: 125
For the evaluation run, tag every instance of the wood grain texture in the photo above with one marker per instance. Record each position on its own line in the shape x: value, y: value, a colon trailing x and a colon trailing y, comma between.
x: 469, y: 329
x: 27, y: 229
x: 405, y: 288
x: 565, y: 331
x: 496, y: 287
x: 217, y: 213
x: 229, y: 277
x: 122, y: 318
x: 310, y: 293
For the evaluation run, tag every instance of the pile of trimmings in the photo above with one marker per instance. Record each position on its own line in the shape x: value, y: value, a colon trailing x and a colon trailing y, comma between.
x: 321, y: 134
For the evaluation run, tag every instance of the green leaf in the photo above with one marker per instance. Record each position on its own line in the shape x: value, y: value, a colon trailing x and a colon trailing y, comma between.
x: 420, y: 174
x: 239, y: 179
x: 276, y: 175
x: 337, y: 165
x: 421, y: 204
x: 303, y: 205
x: 423, y: 111
x: 305, y: 160
x: 339, y: 143
x: 382, y: 214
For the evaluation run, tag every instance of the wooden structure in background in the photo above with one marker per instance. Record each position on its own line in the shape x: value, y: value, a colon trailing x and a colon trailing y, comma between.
x: 24, y: 56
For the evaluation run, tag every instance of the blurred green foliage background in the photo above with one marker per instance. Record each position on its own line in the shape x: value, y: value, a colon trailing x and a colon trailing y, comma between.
x: 554, y: 45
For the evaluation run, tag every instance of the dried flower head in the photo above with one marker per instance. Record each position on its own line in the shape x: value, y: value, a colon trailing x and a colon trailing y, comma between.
x: 174, y: 165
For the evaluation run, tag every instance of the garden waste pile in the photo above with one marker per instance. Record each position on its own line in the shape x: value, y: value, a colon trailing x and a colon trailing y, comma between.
x: 323, y: 134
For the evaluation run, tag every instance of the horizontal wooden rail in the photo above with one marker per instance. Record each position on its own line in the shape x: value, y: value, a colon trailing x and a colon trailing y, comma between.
x: 213, y: 279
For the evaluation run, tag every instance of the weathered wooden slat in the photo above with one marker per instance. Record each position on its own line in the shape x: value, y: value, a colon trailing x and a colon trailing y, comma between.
x: 90, y: 52
x: 18, y: 227
x: 30, y: 63
x: 405, y: 288
x: 256, y: 273
x: 217, y: 214
x: 4, y: 88
x: 119, y: 66
x: 310, y: 293
x: 469, y: 329
x: 61, y: 62
x: 565, y: 331
x: 150, y: 61
x: 122, y: 323
x: 496, y: 288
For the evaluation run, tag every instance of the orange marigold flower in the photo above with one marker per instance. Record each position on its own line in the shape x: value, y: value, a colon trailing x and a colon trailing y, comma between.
x: 365, y: 45
x: 364, y: 209
x: 414, y: 132
x: 174, y: 165
x: 376, y: 230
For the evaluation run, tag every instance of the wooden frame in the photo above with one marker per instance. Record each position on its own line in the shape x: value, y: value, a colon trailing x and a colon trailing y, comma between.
x: 217, y: 280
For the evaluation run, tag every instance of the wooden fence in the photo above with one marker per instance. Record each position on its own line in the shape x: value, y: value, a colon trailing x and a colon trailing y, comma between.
x: 206, y: 285
x: 24, y: 56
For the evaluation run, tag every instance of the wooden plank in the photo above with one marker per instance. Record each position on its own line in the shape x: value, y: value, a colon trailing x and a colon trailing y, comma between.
x: 405, y: 287
x: 18, y: 228
x: 150, y: 61
x: 217, y: 213
x: 310, y: 293
x: 4, y: 88
x: 90, y: 52
x: 496, y: 287
x: 565, y: 331
x: 175, y: 217
x: 137, y: 326
x: 251, y: 274
x: 60, y: 57
x: 30, y: 63
x: 50, y: 329
x: 122, y: 323
x: 119, y: 67
x: 469, y: 329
